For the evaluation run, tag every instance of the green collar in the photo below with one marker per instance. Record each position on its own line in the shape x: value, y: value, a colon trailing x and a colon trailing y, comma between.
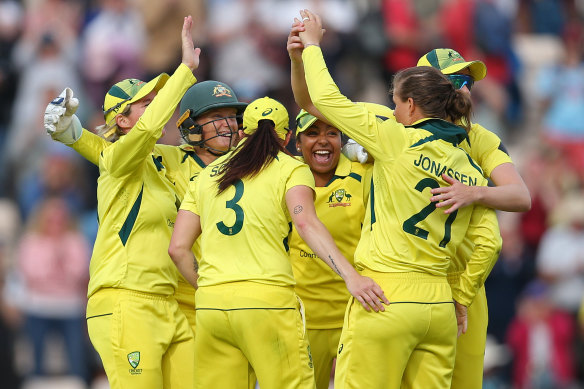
x: 440, y: 129
x: 190, y: 152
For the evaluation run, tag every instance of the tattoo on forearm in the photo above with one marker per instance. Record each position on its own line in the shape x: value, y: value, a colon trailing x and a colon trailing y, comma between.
x: 335, y: 266
x: 195, y: 265
x: 298, y: 209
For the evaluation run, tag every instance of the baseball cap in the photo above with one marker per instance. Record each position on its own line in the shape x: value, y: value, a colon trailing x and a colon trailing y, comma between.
x: 127, y: 92
x: 449, y: 61
x: 266, y: 108
x: 303, y: 121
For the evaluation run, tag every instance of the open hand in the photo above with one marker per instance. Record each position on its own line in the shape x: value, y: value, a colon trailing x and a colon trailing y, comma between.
x: 190, y: 54
x: 455, y: 196
x: 367, y: 292
x: 313, y: 31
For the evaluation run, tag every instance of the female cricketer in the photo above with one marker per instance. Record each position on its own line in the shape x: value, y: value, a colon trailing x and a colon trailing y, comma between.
x: 408, y: 247
x: 241, y: 206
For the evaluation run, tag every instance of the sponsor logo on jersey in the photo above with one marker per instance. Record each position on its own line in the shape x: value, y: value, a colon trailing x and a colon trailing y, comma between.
x: 340, y: 348
x: 217, y: 170
x: 339, y: 195
x: 220, y: 91
x: 134, y: 360
x: 305, y: 254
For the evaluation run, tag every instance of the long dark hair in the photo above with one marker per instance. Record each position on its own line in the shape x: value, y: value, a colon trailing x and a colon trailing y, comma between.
x: 257, y: 151
x: 434, y: 94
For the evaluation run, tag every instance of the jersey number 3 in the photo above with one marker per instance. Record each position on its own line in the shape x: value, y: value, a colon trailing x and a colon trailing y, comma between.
x: 239, y: 215
x: 409, y: 225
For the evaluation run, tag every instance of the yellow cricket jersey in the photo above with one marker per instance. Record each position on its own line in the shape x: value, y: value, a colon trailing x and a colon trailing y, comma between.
x: 486, y: 148
x: 245, y: 229
x: 407, y: 233
x: 135, y: 198
x: 340, y: 205
x: 181, y: 163
x: 488, y: 151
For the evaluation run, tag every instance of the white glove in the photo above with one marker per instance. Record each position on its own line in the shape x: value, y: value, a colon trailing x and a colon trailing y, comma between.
x: 60, y: 120
x: 355, y: 152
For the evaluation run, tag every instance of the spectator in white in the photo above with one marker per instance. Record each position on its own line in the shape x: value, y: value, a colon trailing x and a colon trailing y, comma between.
x: 113, y: 43
x: 560, y: 258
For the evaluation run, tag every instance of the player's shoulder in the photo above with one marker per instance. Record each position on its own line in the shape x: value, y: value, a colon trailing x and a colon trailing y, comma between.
x: 480, y: 133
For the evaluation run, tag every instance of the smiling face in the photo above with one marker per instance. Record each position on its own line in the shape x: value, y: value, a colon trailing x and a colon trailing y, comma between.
x: 321, y: 148
x: 219, y: 127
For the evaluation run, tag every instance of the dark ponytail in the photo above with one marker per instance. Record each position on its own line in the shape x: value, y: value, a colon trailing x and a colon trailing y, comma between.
x: 257, y: 151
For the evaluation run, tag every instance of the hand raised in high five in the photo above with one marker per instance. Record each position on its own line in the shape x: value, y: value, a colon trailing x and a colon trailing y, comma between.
x: 190, y: 54
x: 294, y: 44
x: 313, y: 31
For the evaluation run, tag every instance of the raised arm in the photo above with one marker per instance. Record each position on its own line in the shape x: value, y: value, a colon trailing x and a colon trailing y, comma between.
x: 133, y: 148
x: 299, y: 88
x: 300, y: 203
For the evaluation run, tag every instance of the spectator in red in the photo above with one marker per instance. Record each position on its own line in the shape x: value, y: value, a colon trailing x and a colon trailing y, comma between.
x: 541, y: 338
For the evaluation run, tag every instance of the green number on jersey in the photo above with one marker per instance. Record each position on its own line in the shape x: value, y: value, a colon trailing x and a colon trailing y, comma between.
x: 409, y: 225
x: 239, y: 215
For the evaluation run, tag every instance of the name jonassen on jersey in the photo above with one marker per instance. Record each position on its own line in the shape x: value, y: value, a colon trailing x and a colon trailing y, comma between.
x: 436, y: 168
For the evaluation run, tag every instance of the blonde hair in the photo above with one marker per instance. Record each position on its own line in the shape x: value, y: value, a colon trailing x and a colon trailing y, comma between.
x: 110, y: 131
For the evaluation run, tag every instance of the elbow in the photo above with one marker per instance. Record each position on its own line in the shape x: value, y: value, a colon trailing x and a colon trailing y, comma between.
x: 174, y: 251
x: 305, y: 227
x: 302, y: 228
x: 522, y: 199
x: 526, y: 202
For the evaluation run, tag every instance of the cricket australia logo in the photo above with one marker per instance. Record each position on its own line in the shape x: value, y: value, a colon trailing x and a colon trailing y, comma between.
x: 220, y: 90
x: 134, y: 360
x: 339, y: 195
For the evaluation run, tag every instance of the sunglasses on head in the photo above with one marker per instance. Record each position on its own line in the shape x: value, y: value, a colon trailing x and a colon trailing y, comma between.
x: 460, y: 80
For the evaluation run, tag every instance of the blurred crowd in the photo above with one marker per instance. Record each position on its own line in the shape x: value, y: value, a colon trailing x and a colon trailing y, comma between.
x: 532, y: 97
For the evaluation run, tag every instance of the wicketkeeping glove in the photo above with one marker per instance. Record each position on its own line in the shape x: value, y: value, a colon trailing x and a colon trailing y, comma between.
x: 60, y: 120
x: 355, y: 152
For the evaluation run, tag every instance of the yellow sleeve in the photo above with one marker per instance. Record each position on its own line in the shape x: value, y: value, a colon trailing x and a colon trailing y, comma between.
x: 131, y: 150
x: 486, y: 149
x: 189, y: 202
x: 90, y: 146
x: 484, y: 232
x: 301, y: 175
x: 381, y: 138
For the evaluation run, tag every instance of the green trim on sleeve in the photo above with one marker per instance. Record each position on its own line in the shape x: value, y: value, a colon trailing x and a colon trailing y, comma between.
x: 131, y: 219
x: 372, y: 197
